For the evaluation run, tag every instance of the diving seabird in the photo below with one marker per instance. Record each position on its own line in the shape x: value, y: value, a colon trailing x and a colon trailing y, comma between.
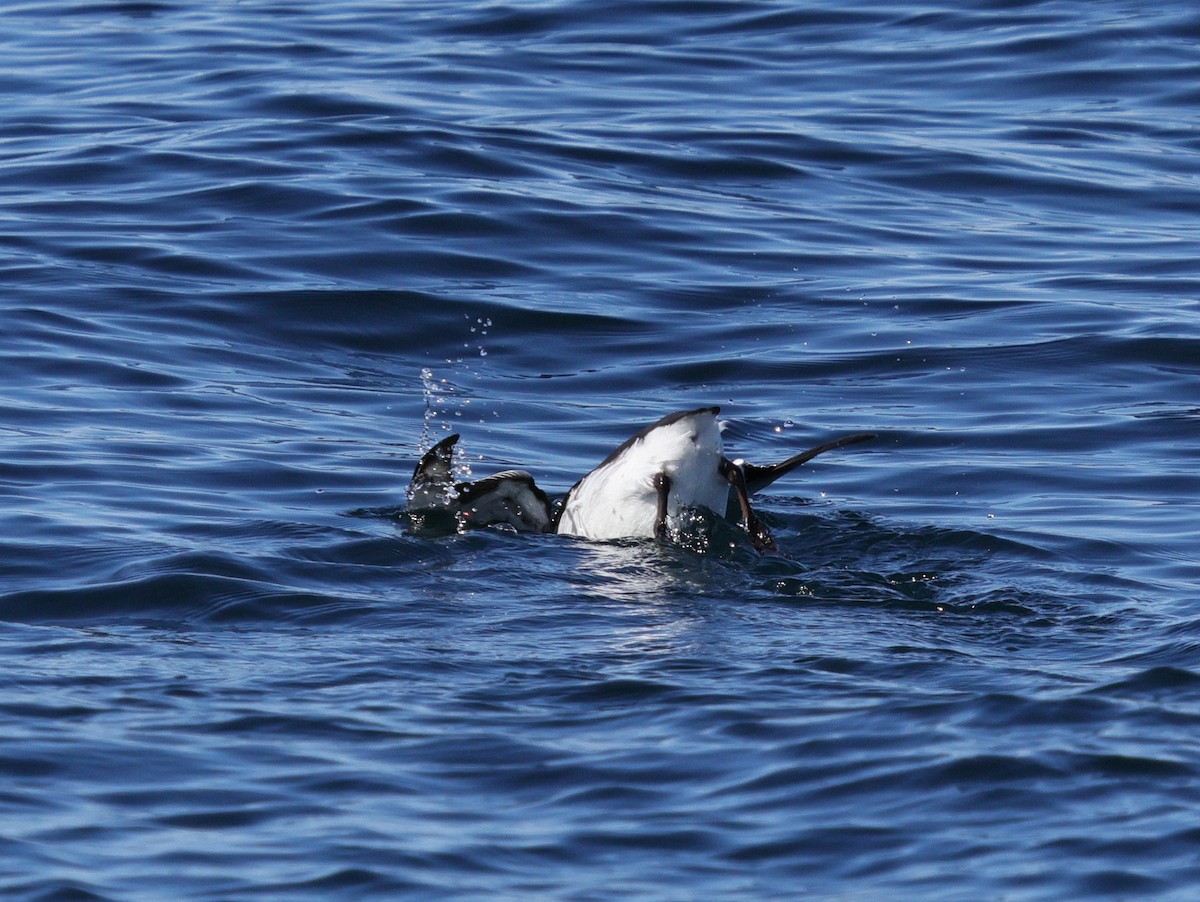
x: 510, y: 497
x: 671, y: 466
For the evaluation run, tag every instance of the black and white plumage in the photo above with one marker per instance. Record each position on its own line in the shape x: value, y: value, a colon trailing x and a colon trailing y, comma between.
x: 671, y: 467
x: 664, y: 467
x: 510, y: 497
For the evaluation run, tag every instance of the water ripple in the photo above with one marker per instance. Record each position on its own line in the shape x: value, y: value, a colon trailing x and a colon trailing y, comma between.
x: 255, y: 256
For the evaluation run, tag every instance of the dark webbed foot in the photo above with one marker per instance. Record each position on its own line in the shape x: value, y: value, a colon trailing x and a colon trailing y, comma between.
x: 759, y: 535
x: 662, y: 485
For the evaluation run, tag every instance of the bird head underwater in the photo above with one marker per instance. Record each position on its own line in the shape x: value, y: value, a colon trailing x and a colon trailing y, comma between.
x: 651, y: 481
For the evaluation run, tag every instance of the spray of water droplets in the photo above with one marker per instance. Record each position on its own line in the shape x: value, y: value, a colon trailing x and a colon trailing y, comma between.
x: 441, y: 405
x: 481, y: 326
x: 446, y: 402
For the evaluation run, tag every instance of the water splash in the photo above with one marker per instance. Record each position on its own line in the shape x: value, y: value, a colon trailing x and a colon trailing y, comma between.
x: 441, y: 403
x: 482, y: 324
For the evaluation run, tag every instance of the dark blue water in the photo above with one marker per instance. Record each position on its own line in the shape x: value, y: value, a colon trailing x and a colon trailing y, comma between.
x: 255, y: 256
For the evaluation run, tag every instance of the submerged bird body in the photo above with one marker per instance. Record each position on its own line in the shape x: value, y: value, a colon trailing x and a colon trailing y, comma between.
x: 674, y: 465
x: 511, y: 497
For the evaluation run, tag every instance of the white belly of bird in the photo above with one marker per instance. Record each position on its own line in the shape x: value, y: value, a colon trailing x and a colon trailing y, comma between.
x: 619, y: 500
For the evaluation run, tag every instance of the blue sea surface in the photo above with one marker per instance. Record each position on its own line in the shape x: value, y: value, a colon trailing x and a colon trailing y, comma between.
x: 255, y: 257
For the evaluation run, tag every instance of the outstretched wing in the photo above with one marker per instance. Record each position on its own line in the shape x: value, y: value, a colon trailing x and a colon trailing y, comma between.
x: 758, y: 478
x: 432, y: 483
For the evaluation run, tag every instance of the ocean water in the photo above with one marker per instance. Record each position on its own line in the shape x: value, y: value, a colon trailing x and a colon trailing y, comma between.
x: 256, y: 256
